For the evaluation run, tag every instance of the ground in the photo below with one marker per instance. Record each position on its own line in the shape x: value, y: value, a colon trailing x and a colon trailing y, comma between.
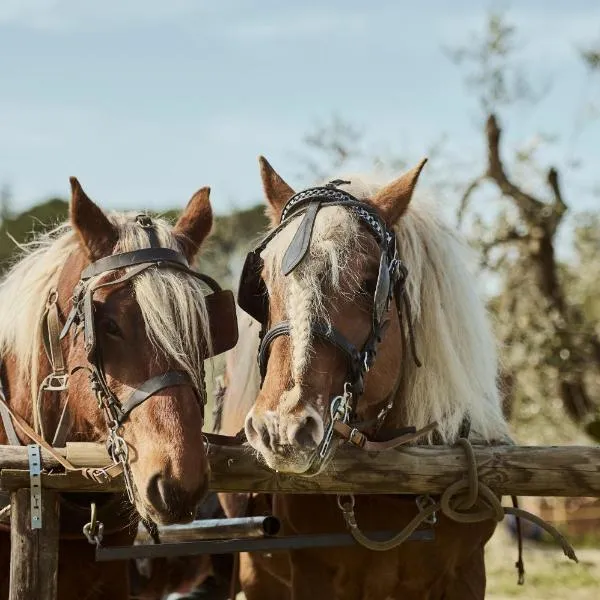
x: 550, y: 575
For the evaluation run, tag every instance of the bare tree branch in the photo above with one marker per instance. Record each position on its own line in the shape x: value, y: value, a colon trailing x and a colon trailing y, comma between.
x: 464, y: 201
x: 528, y: 205
x: 560, y: 207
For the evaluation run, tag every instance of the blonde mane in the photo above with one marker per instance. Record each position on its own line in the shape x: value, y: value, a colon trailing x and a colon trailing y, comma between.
x: 454, y: 336
x: 171, y: 302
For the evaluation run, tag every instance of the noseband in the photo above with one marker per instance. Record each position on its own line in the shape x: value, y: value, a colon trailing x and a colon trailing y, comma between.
x: 82, y: 316
x: 253, y: 299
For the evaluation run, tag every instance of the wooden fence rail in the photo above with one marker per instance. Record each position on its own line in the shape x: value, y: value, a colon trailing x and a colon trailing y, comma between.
x: 518, y: 470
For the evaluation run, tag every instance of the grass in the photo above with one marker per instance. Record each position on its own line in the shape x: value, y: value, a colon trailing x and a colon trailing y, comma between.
x: 549, y: 575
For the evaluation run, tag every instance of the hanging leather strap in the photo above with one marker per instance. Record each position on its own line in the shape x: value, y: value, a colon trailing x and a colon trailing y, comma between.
x: 359, y: 439
x: 96, y: 474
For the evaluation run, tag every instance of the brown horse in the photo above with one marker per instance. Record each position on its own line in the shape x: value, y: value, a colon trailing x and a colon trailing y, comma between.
x: 365, y: 320
x: 128, y: 366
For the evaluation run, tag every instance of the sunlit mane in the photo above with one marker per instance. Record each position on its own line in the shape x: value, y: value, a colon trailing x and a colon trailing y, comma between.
x: 171, y: 302
x: 454, y: 337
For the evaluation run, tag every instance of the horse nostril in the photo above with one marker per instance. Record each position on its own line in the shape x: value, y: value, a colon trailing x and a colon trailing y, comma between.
x: 309, y: 433
x: 153, y: 492
x: 162, y: 493
x: 257, y: 428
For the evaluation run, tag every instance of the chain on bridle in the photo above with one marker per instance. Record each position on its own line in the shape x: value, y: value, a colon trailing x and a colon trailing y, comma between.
x: 391, y: 279
x: 220, y: 303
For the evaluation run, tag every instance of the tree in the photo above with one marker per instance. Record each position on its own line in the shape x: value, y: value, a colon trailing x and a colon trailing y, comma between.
x: 549, y: 345
x: 543, y: 309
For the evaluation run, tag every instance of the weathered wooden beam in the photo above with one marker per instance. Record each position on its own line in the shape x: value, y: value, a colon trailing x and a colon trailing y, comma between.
x: 79, y: 454
x: 14, y: 479
x: 33, y: 552
x: 519, y: 470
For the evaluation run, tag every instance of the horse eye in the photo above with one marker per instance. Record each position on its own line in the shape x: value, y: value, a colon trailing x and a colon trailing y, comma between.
x: 111, y: 328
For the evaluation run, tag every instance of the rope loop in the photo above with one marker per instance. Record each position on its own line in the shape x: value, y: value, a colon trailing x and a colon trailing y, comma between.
x: 465, y: 501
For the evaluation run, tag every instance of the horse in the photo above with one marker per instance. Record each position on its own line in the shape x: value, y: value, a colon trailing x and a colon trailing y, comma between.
x: 369, y: 330
x: 104, y: 330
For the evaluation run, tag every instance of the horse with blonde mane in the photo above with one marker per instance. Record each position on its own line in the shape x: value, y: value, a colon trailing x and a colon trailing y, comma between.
x: 366, y: 322
x: 127, y: 368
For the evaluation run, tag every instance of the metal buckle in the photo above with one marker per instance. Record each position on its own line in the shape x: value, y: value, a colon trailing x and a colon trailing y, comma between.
x: 353, y: 433
x: 55, y: 382
x: 144, y: 221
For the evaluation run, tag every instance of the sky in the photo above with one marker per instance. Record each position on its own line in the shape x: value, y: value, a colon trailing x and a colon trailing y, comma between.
x: 146, y: 101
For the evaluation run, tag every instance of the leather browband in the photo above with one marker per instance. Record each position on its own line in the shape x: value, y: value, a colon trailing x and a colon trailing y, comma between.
x: 130, y: 259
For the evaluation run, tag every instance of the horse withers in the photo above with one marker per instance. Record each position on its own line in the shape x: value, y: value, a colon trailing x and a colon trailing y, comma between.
x: 128, y: 368
x: 366, y: 322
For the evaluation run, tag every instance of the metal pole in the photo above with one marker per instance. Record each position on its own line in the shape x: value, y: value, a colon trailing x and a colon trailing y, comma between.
x: 266, y: 544
x: 215, y: 529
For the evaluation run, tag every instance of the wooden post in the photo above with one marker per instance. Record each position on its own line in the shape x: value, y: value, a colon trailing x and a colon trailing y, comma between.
x: 33, y: 552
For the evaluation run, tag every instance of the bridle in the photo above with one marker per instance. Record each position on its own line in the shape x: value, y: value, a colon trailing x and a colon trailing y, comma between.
x: 391, y: 280
x: 220, y: 306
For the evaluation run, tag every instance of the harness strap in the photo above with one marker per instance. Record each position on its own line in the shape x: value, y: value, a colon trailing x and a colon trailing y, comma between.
x: 97, y: 474
x: 9, y: 428
x: 135, y: 257
x: 62, y: 429
x: 151, y: 387
x: 359, y: 439
x: 324, y: 332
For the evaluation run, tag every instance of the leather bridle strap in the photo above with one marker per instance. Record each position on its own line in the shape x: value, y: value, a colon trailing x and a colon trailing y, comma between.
x: 151, y: 387
x: 357, y: 438
x: 135, y: 257
x: 324, y: 332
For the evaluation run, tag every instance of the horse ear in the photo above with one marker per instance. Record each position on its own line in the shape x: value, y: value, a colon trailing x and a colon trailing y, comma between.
x: 277, y: 191
x: 195, y: 223
x: 393, y: 199
x: 97, y: 234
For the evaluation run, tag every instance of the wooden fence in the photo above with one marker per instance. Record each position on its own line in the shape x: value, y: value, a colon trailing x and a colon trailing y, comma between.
x: 508, y: 470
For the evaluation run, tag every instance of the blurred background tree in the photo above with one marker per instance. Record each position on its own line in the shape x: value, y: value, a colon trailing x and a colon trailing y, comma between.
x: 540, y: 263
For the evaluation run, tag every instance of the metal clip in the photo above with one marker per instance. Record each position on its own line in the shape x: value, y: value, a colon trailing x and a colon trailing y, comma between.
x: 422, y: 502
x: 35, y: 485
x: 93, y: 530
x: 339, y: 411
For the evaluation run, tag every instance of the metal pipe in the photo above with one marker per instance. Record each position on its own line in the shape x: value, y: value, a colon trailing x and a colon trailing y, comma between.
x: 215, y: 529
x: 266, y: 544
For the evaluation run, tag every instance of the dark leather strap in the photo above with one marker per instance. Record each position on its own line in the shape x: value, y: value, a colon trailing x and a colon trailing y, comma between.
x: 146, y: 223
x: 298, y: 247
x: 359, y: 439
x: 136, y: 257
x: 151, y: 387
x: 324, y: 332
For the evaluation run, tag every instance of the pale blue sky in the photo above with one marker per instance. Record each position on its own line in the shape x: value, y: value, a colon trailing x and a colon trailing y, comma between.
x: 147, y: 100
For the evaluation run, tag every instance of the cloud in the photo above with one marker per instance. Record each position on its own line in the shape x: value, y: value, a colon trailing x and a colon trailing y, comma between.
x: 300, y: 25
x: 66, y: 15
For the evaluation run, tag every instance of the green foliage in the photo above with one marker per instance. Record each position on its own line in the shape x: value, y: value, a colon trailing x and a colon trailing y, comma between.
x: 22, y: 227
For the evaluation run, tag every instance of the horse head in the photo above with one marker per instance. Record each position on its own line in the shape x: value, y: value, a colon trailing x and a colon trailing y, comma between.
x: 346, y: 284
x: 137, y: 325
